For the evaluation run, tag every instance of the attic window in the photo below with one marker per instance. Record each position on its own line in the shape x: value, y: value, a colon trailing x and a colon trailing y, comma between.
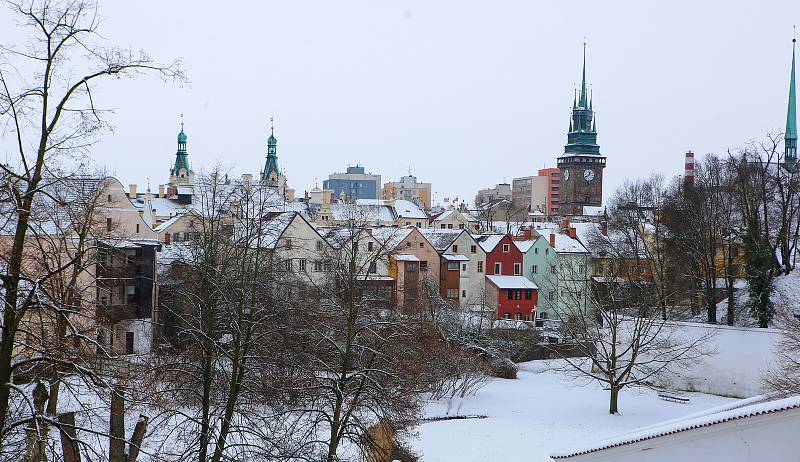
x: 506, y: 248
x: 109, y: 198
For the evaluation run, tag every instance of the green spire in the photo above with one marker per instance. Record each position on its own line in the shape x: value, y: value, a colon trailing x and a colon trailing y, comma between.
x: 583, y: 103
x: 181, y: 157
x: 791, y: 114
x: 790, y: 138
x: 272, y: 155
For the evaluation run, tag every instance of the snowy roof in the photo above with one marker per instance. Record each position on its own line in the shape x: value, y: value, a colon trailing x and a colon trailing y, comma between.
x: 593, y: 211
x: 526, y: 245
x: 276, y: 224
x: 390, y: 237
x: 362, y: 212
x: 489, y: 241
x: 511, y: 282
x: 441, y: 239
x: 405, y: 257
x: 163, y: 226
x: 566, y: 244
x: 408, y: 209
x: 742, y: 409
x: 455, y: 257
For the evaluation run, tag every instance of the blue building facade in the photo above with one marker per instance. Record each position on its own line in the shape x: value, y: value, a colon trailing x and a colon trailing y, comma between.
x: 353, y: 184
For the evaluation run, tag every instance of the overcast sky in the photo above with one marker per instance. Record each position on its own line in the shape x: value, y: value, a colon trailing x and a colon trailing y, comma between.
x: 465, y: 93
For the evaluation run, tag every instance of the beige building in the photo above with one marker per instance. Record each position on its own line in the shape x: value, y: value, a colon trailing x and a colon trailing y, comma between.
x: 530, y: 192
x: 409, y: 189
x: 502, y: 191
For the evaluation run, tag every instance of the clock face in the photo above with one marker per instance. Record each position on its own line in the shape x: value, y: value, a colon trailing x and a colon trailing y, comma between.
x: 566, y: 175
x: 588, y: 175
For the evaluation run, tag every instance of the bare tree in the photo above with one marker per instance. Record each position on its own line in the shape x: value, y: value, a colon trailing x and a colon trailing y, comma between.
x: 619, y: 329
x: 46, y: 101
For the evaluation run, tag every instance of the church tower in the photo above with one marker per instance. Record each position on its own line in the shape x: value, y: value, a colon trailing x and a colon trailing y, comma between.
x: 790, y: 137
x: 181, y: 175
x: 581, y: 165
x: 271, y: 175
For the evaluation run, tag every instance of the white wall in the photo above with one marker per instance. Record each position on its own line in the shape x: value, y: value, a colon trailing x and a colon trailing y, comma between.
x: 767, y: 437
x: 742, y: 357
x: 142, y: 335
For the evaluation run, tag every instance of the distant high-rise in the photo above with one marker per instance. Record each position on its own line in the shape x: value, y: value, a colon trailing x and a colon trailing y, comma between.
x: 353, y: 184
x: 581, y: 165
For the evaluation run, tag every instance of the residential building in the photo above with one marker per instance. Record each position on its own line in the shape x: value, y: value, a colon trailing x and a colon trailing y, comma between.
x: 408, y: 188
x: 409, y: 214
x: 553, y: 176
x: 539, y: 264
x: 503, y: 258
x: 530, y: 193
x: 572, y: 273
x: 581, y: 165
x: 502, y: 191
x: 353, y: 184
x: 455, y: 219
x: 514, y: 297
x: 412, y: 262
x: 459, y: 246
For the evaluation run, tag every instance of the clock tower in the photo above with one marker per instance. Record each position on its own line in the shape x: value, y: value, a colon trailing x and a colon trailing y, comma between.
x: 581, y: 165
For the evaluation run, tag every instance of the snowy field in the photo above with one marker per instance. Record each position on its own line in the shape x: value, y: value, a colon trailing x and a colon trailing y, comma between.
x: 537, y: 414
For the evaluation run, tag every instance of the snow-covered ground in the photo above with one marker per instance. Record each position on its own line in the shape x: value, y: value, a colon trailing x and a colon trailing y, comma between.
x: 537, y: 414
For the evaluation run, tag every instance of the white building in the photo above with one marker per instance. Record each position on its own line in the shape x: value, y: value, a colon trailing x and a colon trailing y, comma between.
x: 755, y: 429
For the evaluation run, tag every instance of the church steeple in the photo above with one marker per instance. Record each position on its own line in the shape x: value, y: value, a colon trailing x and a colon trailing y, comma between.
x: 790, y: 137
x: 271, y: 170
x: 582, y: 137
x: 181, y: 168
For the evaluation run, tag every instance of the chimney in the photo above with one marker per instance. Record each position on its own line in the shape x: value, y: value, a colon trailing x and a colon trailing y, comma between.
x: 604, y: 227
x: 161, y: 190
x: 132, y: 191
x: 688, y: 173
x: 526, y: 232
x: 552, y: 240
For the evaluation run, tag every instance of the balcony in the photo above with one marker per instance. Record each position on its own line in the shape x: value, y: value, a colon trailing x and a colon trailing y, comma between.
x: 115, y: 313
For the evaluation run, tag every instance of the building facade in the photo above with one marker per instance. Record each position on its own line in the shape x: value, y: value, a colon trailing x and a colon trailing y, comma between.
x: 408, y: 188
x: 501, y: 191
x: 354, y: 184
x: 581, y: 165
x: 530, y: 193
x: 553, y: 175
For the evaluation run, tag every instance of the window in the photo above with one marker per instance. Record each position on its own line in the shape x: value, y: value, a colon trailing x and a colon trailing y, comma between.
x: 527, y: 318
x: 452, y: 266
x: 408, y: 223
x: 518, y: 316
x: 419, y: 224
x: 319, y: 245
x: 497, y: 268
x: 473, y: 249
x: 517, y: 295
x: 461, y: 226
x: 543, y: 315
x: 370, y: 246
x: 411, y: 267
x: 373, y: 268
x: 452, y: 293
x: 185, y: 235
x: 408, y: 244
x: 547, y: 251
x: 535, y: 269
x: 480, y: 266
x: 517, y: 269
x: 129, y: 343
x: 510, y: 294
x: 288, y: 243
x: 463, y: 294
x: 528, y: 294
x: 317, y: 265
x: 442, y: 226
x: 423, y: 266
x: 506, y: 248
x: 176, y: 237
x: 553, y: 269
x: 421, y: 245
x: 301, y: 264
x: 289, y: 264
x: 455, y: 248
x: 109, y: 198
x: 506, y: 315
x: 463, y: 267
x: 536, y: 250
x: 449, y: 226
x: 137, y: 228
x: 581, y: 269
x: 109, y: 224
x: 551, y: 296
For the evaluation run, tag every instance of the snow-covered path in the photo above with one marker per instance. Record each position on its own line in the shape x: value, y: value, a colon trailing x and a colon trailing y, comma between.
x: 537, y: 414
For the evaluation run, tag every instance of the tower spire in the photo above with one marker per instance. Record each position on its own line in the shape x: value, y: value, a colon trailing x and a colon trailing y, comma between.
x: 790, y: 137
x: 583, y: 103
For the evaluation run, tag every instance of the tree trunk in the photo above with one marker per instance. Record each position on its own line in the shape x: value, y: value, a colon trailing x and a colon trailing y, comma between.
x: 69, y: 444
x: 612, y: 405
x: 136, y: 438
x: 116, y: 436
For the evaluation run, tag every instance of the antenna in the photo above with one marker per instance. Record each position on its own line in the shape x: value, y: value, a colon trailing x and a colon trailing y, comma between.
x: 181, y: 121
x: 271, y: 125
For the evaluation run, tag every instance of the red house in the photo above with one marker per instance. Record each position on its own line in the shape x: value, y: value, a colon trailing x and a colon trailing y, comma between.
x: 503, y: 258
x: 514, y: 297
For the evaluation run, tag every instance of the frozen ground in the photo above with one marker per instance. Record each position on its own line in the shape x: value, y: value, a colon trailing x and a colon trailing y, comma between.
x: 537, y: 414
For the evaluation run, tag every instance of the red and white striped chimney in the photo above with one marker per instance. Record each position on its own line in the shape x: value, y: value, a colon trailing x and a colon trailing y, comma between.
x: 688, y: 173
